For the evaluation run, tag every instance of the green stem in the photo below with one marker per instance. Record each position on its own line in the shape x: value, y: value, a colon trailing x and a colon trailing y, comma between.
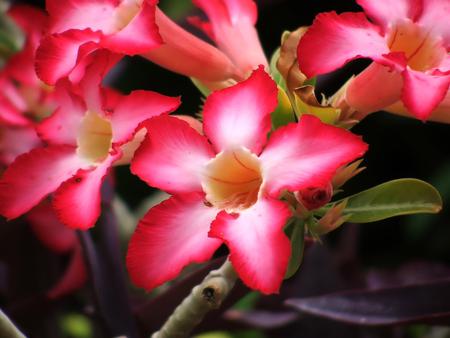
x: 206, y: 296
x: 7, y: 328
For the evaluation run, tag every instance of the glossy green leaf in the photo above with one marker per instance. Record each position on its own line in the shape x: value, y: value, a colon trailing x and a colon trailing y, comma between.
x: 296, y: 233
x: 394, y: 198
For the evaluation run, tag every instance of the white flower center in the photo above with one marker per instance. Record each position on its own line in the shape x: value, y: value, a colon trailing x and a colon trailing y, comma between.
x: 423, y: 50
x: 94, y: 138
x: 232, y: 180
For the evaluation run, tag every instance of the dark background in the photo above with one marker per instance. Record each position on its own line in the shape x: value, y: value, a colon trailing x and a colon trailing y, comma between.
x: 399, y: 147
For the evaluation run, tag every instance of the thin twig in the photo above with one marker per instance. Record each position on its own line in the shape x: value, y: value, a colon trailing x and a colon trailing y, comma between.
x: 206, y: 296
x: 7, y: 328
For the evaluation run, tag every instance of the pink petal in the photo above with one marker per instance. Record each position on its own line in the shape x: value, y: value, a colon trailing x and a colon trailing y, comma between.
x: 73, y: 278
x: 306, y: 154
x: 139, y: 36
x: 77, y: 201
x: 137, y: 107
x: 435, y: 16
x: 34, y: 175
x: 62, y: 126
x: 32, y: 21
x: 423, y: 92
x: 230, y: 11
x: 172, y: 155
x: 240, y: 115
x: 186, y: 54
x: 259, y: 249
x: 232, y: 25
x: 334, y: 40
x: 58, y: 54
x: 49, y: 230
x: 374, y: 88
x: 171, y: 236
x: 386, y: 13
x: 81, y: 14
x: 95, y: 69
x: 15, y: 142
x: 10, y: 115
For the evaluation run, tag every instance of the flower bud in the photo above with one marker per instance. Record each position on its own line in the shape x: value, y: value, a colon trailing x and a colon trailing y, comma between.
x: 314, y: 197
x: 333, y: 219
x: 345, y: 173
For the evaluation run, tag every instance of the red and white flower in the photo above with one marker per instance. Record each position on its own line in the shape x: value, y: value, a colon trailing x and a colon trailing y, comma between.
x: 231, y: 26
x: 79, y: 27
x: 226, y: 184
x: 408, y: 40
x: 85, y: 136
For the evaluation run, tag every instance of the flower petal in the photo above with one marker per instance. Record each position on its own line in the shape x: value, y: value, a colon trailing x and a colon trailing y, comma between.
x: 239, y: 116
x: 34, y: 175
x: 306, y: 154
x: 81, y: 14
x: 73, y: 278
x: 386, y: 12
x: 77, y: 201
x: 186, y: 54
x: 138, y: 36
x: 423, y: 92
x: 49, y: 230
x: 334, y: 40
x: 259, y: 249
x: 434, y: 18
x: 62, y: 126
x: 232, y: 26
x: 10, y: 115
x: 58, y: 54
x: 137, y: 107
x: 15, y: 142
x: 171, y: 236
x: 172, y: 155
x: 375, y: 88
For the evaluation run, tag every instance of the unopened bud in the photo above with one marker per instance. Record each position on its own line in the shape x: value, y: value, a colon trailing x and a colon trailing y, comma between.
x: 314, y: 197
x: 333, y: 219
x: 345, y: 173
x: 287, y: 63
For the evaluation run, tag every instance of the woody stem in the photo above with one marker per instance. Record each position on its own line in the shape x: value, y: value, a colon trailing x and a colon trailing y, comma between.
x: 206, y: 296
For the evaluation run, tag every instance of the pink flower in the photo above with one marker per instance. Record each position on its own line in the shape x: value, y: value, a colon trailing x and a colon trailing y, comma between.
x: 231, y: 26
x: 24, y: 100
x: 79, y: 27
x: 85, y: 136
x: 226, y: 185
x: 408, y: 41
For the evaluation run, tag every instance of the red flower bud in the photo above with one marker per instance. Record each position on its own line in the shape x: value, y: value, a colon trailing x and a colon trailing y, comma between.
x: 314, y: 197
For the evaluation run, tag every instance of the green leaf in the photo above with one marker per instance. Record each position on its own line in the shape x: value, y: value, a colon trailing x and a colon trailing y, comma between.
x: 296, y: 233
x: 394, y: 198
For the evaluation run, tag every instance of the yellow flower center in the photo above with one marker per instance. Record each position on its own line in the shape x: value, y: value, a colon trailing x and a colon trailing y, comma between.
x: 423, y: 51
x: 94, y: 137
x: 232, y: 180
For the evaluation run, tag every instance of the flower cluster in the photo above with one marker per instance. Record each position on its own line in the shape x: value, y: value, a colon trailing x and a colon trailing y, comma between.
x: 235, y: 179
